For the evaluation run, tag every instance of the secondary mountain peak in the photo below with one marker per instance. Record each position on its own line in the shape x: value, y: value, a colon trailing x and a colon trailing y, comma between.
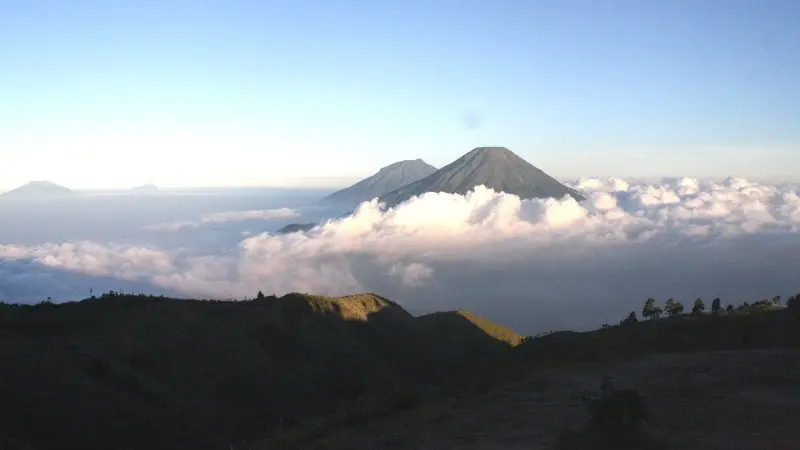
x: 145, y: 189
x: 497, y: 168
x: 39, y: 189
x: 385, y: 180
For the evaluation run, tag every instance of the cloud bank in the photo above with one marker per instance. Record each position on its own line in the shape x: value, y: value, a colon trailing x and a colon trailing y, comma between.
x: 225, y: 217
x: 531, y: 264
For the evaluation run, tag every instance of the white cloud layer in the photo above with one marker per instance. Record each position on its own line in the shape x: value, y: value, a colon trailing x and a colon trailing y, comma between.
x: 89, y: 258
x: 225, y: 217
x: 532, y: 264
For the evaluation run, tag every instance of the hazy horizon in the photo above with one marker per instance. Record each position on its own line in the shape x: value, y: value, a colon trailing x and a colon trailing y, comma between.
x: 106, y: 95
x: 332, y: 184
x: 532, y: 265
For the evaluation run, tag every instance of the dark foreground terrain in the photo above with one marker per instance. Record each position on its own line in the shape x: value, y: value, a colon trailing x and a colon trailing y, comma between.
x: 136, y: 372
x: 359, y: 372
x: 719, y: 400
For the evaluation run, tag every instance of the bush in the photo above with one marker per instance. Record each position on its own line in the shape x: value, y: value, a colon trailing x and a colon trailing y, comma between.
x: 615, y: 411
x: 613, y: 419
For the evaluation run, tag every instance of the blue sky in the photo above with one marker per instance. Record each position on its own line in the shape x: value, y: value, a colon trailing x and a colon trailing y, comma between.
x: 113, y: 94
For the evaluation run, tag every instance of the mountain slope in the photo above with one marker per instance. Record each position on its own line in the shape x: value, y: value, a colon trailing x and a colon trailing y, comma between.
x: 296, y: 227
x: 132, y: 372
x: 385, y: 180
x: 39, y: 189
x: 734, y: 374
x: 468, y: 328
x: 494, y: 167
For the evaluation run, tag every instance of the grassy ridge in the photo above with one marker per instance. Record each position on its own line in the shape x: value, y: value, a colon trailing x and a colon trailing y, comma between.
x: 776, y: 328
x: 131, y: 372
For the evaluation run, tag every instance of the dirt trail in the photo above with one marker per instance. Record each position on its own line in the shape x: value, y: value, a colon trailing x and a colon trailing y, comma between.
x: 725, y: 400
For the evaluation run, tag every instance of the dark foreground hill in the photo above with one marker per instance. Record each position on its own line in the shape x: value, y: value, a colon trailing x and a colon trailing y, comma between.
x: 496, y: 168
x: 305, y: 372
x: 708, y: 381
x: 387, y: 179
x: 135, y: 372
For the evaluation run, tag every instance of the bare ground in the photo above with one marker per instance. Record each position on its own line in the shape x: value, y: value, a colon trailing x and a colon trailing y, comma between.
x: 708, y: 401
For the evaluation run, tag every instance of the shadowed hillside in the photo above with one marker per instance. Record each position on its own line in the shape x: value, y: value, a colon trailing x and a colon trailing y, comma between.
x: 305, y: 371
x: 709, y: 381
x: 132, y: 372
x: 768, y: 329
x: 462, y: 328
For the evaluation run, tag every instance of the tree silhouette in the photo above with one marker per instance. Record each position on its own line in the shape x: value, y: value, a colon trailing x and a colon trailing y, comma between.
x: 698, y: 307
x: 729, y: 308
x: 673, y: 308
x: 260, y: 296
x: 630, y: 320
x: 669, y: 306
x: 716, y: 306
x: 649, y: 308
x: 793, y: 302
x: 776, y: 300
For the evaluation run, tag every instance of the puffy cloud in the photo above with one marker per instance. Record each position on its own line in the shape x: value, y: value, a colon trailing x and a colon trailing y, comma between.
x: 224, y: 217
x: 532, y: 264
x: 89, y: 258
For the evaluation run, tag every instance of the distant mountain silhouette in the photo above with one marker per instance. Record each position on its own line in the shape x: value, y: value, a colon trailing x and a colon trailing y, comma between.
x: 387, y: 179
x: 39, y: 189
x: 146, y: 189
x: 295, y: 227
x: 497, y: 168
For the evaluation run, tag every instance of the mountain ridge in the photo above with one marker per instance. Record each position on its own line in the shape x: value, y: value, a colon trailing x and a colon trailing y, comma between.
x: 145, y: 189
x: 385, y: 180
x: 496, y: 168
x: 39, y: 189
x: 162, y: 373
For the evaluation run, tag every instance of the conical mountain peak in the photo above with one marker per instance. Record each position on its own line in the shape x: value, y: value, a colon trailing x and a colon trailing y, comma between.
x: 39, y: 189
x: 497, y: 168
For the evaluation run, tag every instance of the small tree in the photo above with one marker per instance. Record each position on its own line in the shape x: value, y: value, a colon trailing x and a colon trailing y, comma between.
x: 793, y: 302
x: 729, y: 308
x: 260, y: 296
x: 776, y: 300
x: 698, y: 307
x: 744, y: 306
x: 657, y: 312
x: 649, y: 308
x: 673, y: 307
x: 669, y: 306
x: 716, y: 306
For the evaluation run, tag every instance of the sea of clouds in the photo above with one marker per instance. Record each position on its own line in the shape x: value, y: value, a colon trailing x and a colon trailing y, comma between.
x: 534, y: 265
